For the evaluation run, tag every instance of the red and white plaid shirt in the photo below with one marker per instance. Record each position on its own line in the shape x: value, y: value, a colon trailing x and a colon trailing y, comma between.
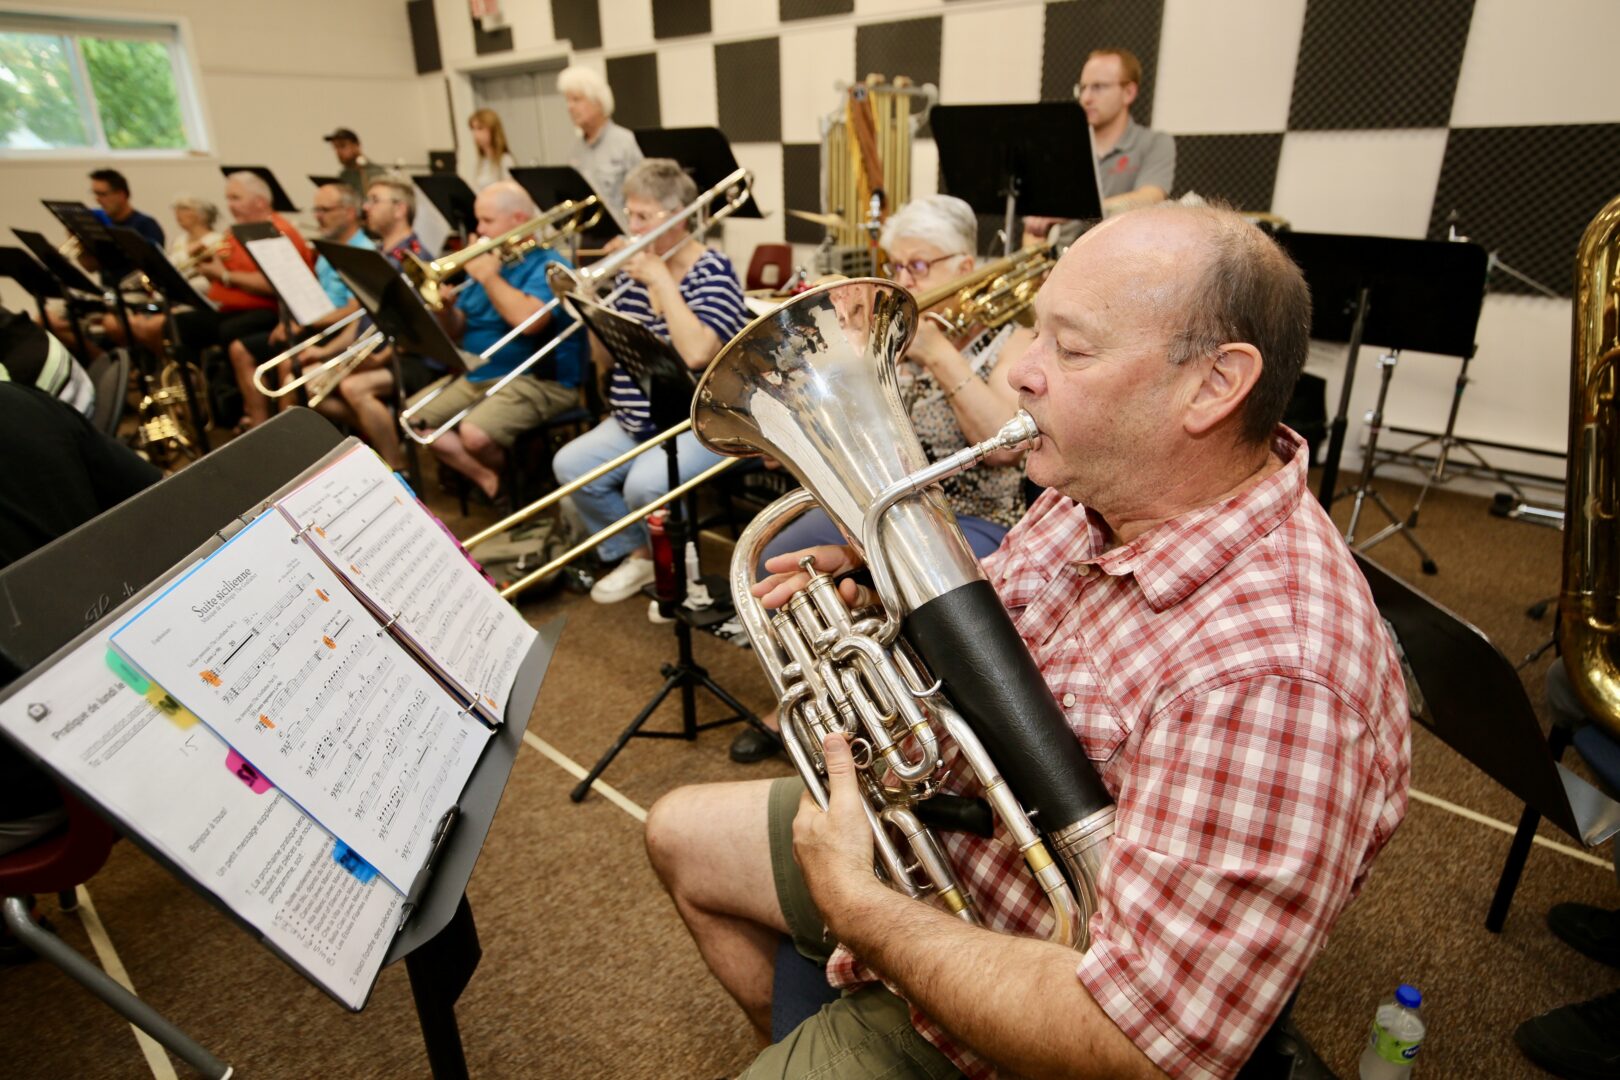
x: 1232, y: 681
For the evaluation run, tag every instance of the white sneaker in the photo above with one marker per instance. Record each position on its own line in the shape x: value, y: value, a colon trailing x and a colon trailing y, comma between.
x: 624, y: 581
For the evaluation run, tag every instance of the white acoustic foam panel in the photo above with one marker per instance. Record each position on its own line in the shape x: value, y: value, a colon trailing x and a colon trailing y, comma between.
x: 1550, y: 62
x: 990, y: 57
x: 1379, y: 183
x: 1243, y: 86
x: 686, y: 84
x: 813, y: 61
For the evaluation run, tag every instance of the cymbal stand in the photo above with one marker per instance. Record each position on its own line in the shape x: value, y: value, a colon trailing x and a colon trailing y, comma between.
x: 1363, y: 489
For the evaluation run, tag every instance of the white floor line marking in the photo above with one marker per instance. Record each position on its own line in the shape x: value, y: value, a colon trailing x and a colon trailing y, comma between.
x: 1502, y: 826
x: 157, y: 1059
x: 569, y: 765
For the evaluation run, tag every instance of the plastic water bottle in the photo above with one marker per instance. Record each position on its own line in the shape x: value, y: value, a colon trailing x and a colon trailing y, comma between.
x: 1397, y: 1035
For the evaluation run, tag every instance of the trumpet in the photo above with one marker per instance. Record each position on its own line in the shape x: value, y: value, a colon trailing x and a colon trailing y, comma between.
x: 566, y: 282
x: 196, y: 258
x: 569, y: 218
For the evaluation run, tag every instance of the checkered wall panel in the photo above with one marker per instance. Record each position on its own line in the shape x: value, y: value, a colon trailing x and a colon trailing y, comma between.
x: 1241, y: 169
x: 1527, y: 193
x: 680, y: 18
x: 634, y: 80
x: 578, y: 22
x: 1378, y: 63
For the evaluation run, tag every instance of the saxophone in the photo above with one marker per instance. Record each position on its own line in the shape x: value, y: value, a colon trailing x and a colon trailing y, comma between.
x: 812, y: 384
x: 1589, y: 604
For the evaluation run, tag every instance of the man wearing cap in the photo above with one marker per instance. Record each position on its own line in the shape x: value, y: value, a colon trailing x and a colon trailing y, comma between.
x: 357, y: 171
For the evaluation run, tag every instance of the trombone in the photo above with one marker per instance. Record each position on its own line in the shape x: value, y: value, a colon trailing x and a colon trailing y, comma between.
x: 566, y: 282
x: 569, y: 218
x: 428, y: 279
x: 989, y: 296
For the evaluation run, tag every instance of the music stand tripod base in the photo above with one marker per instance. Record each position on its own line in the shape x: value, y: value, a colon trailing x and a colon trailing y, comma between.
x: 1364, y: 491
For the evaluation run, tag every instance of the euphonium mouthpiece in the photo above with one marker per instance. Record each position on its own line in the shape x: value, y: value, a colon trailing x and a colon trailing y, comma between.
x: 1017, y: 431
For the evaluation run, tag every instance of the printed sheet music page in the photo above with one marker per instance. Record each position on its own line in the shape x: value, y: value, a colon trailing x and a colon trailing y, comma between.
x: 261, y: 855
x: 370, y: 527
x: 265, y: 645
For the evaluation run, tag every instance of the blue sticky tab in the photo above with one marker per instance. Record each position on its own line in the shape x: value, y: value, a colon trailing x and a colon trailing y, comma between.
x: 131, y: 677
x: 404, y: 483
x: 352, y: 862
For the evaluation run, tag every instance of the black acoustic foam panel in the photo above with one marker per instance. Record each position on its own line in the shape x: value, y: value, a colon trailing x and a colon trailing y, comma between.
x: 634, y: 80
x: 578, y: 22
x: 1378, y: 64
x: 491, y: 41
x: 801, y: 190
x: 680, y: 18
x: 1526, y: 194
x: 424, y: 36
x: 748, y: 89
x: 1075, y: 28
x: 788, y: 10
x: 1241, y: 169
x: 910, y: 47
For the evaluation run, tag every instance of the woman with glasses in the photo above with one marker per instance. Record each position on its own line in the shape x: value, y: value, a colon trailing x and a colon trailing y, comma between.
x: 688, y: 294
x: 955, y: 392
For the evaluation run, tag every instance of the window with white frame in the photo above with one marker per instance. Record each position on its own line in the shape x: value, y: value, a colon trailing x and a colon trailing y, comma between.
x: 74, y: 86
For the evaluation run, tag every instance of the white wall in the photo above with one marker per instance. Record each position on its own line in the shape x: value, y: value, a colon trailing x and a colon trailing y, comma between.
x: 273, y: 79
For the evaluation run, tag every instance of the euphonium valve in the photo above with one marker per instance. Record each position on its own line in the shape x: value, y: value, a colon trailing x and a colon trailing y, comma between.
x: 939, y: 675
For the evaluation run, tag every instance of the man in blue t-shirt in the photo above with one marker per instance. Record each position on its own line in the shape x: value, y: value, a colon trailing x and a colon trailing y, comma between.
x: 500, y: 297
x: 111, y: 192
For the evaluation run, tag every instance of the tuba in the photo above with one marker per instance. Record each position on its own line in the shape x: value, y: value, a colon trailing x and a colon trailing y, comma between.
x: 1589, y: 604
x: 812, y: 384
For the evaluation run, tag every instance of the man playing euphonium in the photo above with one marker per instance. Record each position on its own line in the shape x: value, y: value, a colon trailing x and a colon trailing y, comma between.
x: 1216, y: 654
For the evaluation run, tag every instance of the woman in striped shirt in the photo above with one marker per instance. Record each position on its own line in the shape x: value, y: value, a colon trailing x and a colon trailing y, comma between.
x: 689, y: 295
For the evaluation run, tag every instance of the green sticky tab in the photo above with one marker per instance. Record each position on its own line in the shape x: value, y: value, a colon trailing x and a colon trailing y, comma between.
x: 120, y: 667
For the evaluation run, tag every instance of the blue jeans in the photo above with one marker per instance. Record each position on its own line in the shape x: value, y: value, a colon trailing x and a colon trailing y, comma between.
x: 609, y: 498
x: 814, y: 528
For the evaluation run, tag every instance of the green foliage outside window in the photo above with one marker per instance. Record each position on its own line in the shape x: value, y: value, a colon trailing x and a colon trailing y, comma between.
x: 39, y: 104
x: 135, y: 91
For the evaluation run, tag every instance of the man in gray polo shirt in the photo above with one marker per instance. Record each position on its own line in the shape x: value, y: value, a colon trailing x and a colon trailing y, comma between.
x: 1137, y: 165
x: 606, y: 151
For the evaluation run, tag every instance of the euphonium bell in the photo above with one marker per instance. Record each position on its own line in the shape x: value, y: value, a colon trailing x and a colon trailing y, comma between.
x: 813, y: 385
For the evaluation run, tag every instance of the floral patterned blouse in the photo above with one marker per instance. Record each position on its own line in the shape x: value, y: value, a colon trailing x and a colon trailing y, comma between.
x: 992, y: 492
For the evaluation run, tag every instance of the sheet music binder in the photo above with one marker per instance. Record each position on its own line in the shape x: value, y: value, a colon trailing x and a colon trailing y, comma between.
x: 53, y: 611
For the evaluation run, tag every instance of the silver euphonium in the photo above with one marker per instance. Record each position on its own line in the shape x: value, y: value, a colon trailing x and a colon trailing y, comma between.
x: 813, y: 385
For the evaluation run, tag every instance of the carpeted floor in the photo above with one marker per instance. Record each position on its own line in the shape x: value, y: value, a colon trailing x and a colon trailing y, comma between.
x: 587, y: 972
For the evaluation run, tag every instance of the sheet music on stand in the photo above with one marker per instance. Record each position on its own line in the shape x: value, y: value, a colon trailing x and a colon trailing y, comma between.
x: 652, y: 362
x: 183, y: 794
x: 295, y: 283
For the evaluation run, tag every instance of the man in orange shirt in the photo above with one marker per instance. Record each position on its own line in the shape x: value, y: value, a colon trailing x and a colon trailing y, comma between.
x: 243, y: 300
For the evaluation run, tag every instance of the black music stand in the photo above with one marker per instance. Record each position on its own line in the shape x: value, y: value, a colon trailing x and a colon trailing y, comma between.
x: 279, y: 202
x: 705, y: 155
x: 173, y: 291
x: 395, y: 307
x: 323, y: 181
x: 114, y: 265
x: 108, y: 559
x: 452, y: 198
x: 1468, y: 694
x: 1017, y: 160
x: 73, y: 283
x: 549, y: 185
x: 667, y: 384
x: 36, y: 281
x: 1424, y: 295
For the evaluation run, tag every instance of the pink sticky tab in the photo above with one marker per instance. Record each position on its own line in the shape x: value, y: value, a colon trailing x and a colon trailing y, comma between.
x: 246, y: 773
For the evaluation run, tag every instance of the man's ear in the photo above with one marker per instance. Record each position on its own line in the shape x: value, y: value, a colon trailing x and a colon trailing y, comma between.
x: 1229, y: 379
x: 1129, y: 92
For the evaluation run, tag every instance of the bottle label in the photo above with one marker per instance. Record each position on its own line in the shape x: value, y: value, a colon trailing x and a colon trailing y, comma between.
x: 1393, y: 1050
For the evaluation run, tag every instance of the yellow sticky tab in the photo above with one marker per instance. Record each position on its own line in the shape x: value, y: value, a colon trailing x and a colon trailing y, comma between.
x: 160, y: 699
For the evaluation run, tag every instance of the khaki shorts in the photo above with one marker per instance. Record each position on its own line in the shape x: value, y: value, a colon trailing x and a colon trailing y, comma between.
x: 865, y: 1033
x: 522, y: 404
